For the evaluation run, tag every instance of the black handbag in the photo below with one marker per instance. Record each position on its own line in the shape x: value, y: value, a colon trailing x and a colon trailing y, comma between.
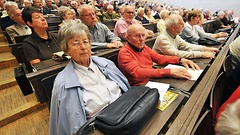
x: 127, y: 115
x: 208, y: 41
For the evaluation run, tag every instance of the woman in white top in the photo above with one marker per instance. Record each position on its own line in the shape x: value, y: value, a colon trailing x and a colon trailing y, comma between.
x: 148, y: 15
x: 200, y: 28
x: 164, y: 14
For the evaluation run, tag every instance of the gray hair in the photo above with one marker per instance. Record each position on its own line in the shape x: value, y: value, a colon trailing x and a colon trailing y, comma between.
x: 10, y: 3
x: 68, y: 30
x: 164, y: 13
x: 173, y: 19
x: 62, y: 10
x: 10, y: 14
x: 229, y: 121
x: 110, y: 7
x: 82, y: 7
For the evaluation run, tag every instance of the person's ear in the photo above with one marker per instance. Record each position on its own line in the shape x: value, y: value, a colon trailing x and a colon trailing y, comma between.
x: 29, y: 24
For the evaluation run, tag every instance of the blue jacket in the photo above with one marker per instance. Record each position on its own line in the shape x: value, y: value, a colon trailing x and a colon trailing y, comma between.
x: 67, y: 112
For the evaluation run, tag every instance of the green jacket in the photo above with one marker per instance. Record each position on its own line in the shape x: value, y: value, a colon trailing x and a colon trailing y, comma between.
x: 107, y: 18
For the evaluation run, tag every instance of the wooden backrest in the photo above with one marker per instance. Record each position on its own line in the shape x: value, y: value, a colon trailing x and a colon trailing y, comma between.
x: 227, y: 65
x: 54, y: 20
x: 151, y: 26
x: 47, y: 84
x: 17, y: 51
x: 7, y: 37
x: 19, y: 39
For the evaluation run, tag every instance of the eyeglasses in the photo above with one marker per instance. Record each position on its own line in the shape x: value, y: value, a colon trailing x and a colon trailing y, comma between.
x: 88, y: 15
x: 77, y: 44
x: 130, y: 13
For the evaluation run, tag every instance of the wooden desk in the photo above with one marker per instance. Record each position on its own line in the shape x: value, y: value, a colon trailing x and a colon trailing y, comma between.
x: 183, y: 84
x: 161, y: 119
x: 50, y: 67
x: 186, y: 119
x: 204, y: 60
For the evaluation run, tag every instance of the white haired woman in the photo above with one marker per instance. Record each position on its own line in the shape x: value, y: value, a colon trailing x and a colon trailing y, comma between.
x: 85, y: 86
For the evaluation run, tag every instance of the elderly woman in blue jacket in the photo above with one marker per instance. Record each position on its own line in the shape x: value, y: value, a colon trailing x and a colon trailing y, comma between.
x: 85, y: 86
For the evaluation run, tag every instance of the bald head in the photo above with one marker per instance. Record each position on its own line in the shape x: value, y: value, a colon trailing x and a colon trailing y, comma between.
x: 134, y: 28
x: 136, y: 35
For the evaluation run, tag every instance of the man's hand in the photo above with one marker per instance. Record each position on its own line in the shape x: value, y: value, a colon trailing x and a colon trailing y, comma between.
x: 114, y: 44
x: 180, y: 73
x: 208, y: 55
x: 188, y: 63
x: 210, y: 49
x: 149, y: 33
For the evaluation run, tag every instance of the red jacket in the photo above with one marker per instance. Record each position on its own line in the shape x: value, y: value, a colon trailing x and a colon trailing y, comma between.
x: 137, y: 66
x: 232, y: 98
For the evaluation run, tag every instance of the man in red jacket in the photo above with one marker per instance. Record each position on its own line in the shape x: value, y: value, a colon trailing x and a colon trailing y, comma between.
x: 135, y: 59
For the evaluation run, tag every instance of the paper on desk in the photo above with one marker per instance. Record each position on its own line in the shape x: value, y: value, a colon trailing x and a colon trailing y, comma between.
x: 195, y: 73
x: 162, y: 88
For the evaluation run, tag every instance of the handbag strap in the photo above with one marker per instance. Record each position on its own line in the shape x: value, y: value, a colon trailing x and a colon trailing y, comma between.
x: 87, y: 128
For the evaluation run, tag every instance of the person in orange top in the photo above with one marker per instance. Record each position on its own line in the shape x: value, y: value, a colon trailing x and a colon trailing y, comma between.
x: 135, y: 59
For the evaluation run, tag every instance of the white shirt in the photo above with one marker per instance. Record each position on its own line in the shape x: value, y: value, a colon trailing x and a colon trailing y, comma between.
x: 98, y: 90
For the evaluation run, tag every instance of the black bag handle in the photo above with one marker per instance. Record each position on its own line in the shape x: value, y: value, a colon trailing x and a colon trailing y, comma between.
x: 87, y: 128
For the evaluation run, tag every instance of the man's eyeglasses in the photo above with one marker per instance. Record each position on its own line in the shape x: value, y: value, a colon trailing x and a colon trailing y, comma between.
x: 130, y: 13
x: 88, y: 15
x: 77, y: 44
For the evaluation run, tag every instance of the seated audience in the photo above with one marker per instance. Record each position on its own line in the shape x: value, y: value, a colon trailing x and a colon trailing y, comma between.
x: 207, y: 14
x: 189, y: 33
x: 75, y: 5
x: 102, y: 36
x: 19, y: 28
x: 2, y: 5
x: 20, y: 4
x: 140, y: 16
x: 148, y: 15
x: 170, y: 43
x: 85, y: 86
x: 135, y: 59
x: 41, y: 44
x: 110, y: 15
x: 235, y: 52
x: 50, y: 6
x: 39, y: 5
x: 27, y: 3
x: 125, y: 21
x: 185, y: 15
x: 218, y: 24
x: 225, y: 19
x: 200, y: 29
x: 65, y: 14
x: 5, y: 18
x: 157, y: 14
x: 228, y: 121
x: 164, y: 14
x: 104, y: 7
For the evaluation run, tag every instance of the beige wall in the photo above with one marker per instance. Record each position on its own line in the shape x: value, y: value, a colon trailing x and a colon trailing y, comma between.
x: 212, y: 5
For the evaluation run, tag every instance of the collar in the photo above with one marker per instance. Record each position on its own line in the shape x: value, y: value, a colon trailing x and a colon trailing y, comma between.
x: 171, y: 34
x: 96, y: 26
x: 188, y: 25
x: 127, y: 21
x: 38, y: 39
x: 82, y: 69
x: 135, y: 48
